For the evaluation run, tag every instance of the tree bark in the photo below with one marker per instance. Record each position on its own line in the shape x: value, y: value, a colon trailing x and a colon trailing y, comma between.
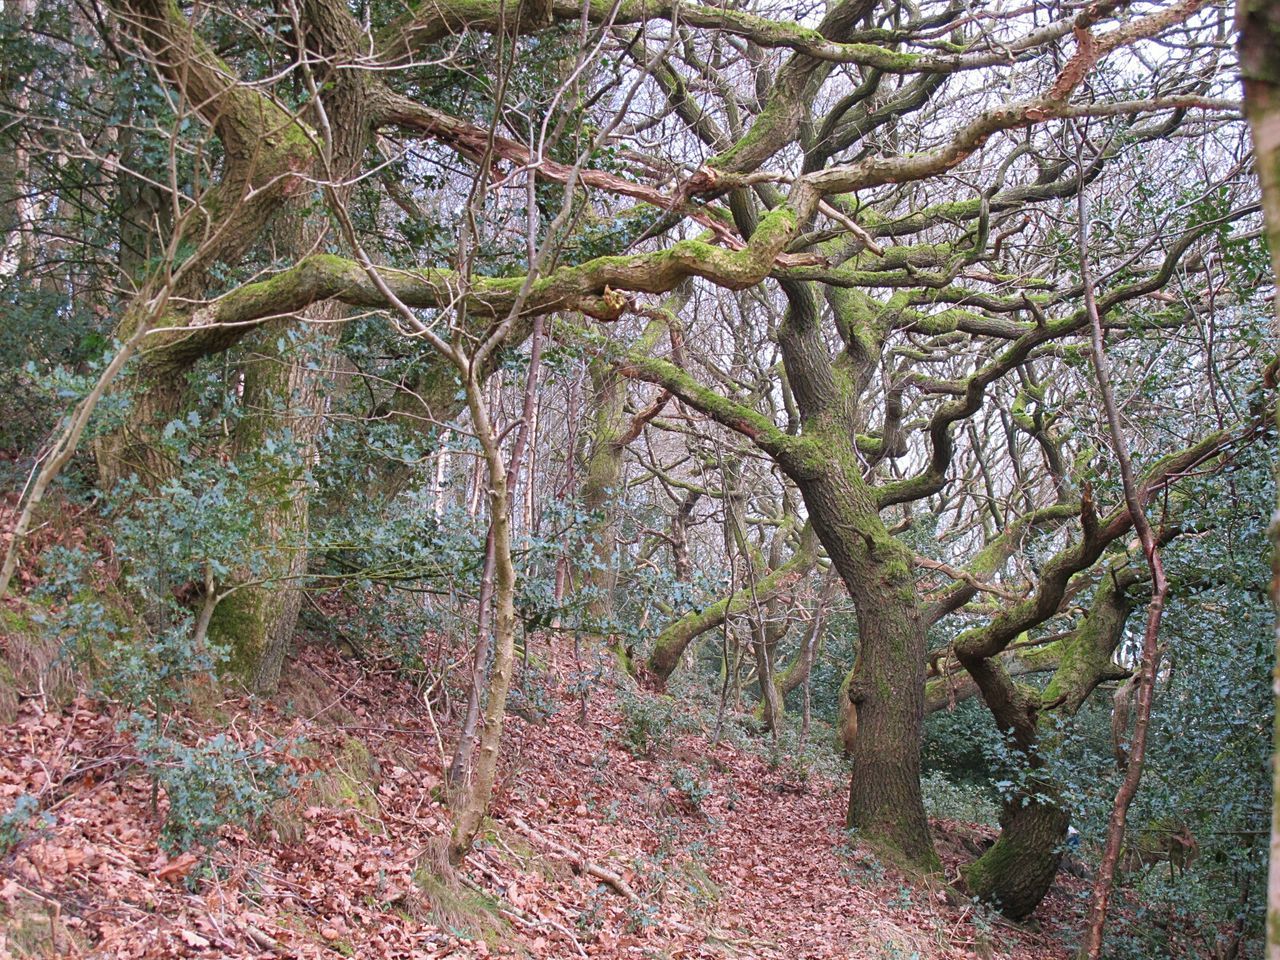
x: 1018, y: 870
x: 474, y: 800
x: 1016, y: 873
x: 283, y: 400
x: 461, y: 763
x: 1259, y: 51
x: 886, y: 685
x: 671, y: 643
x: 611, y: 433
x: 600, y: 481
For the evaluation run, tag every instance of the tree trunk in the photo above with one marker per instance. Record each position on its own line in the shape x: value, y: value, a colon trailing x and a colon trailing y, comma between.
x: 611, y: 432
x: 1259, y: 23
x: 474, y: 800
x: 461, y: 763
x: 886, y: 686
x: 1018, y: 870
x: 16, y: 206
x: 886, y: 692
x: 283, y: 401
x: 763, y: 639
x: 1016, y: 873
x: 283, y: 384
x: 1148, y: 671
x: 600, y: 482
x: 801, y: 666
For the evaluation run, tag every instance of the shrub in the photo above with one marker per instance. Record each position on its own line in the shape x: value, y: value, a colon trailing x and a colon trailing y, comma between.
x: 945, y: 800
x: 647, y: 722
x: 209, y: 784
x: 17, y: 824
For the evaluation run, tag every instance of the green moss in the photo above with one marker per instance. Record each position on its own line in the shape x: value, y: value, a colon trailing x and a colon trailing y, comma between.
x: 16, y: 621
x: 33, y: 929
x: 237, y: 624
x: 885, y: 842
x: 699, y: 883
x: 777, y: 114
x: 33, y: 656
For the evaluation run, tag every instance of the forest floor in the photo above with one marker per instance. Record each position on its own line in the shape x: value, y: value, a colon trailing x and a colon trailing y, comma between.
x: 695, y: 851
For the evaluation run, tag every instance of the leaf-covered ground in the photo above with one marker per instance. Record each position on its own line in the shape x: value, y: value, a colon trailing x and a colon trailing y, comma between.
x: 592, y: 851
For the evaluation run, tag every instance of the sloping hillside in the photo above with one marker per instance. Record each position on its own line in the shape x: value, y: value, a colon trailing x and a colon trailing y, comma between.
x: 684, y: 850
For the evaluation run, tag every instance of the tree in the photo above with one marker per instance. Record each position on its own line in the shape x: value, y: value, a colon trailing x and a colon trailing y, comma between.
x: 1259, y: 24
x: 857, y: 236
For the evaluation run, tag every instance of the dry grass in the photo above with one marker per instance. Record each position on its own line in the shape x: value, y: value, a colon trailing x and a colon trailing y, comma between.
x: 31, y: 663
x: 446, y: 903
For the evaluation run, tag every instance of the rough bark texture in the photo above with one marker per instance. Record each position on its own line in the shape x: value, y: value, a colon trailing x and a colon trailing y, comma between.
x: 1019, y: 868
x: 600, y: 482
x: 283, y: 400
x: 886, y: 687
x: 1016, y: 873
x: 282, y: 396
x: 1259, y: 49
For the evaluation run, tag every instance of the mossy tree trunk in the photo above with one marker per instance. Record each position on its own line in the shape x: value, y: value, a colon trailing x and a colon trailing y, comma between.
x: 611, y: 432
x: 283, y: 401
x: 672, y: 642
x: 1259, y: 49
x: 886, y: 685
x: 883, y: 711
x: 1016, y: 873
x: 601, y: 477
x: 282, y: 397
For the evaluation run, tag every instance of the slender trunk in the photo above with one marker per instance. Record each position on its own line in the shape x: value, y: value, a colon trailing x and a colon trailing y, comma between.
x: 1259, y: 23
x: 461, y: 762
x: 64, y: 447
x: 474, y: 802
x: 1092, y: 946
x: 1146, y: 679
x: 679, y: 533
x: 562, y: 561
x: 488, y: 579
x: 770, y: 700
x: 800, y: 668
x: 17, y: 209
